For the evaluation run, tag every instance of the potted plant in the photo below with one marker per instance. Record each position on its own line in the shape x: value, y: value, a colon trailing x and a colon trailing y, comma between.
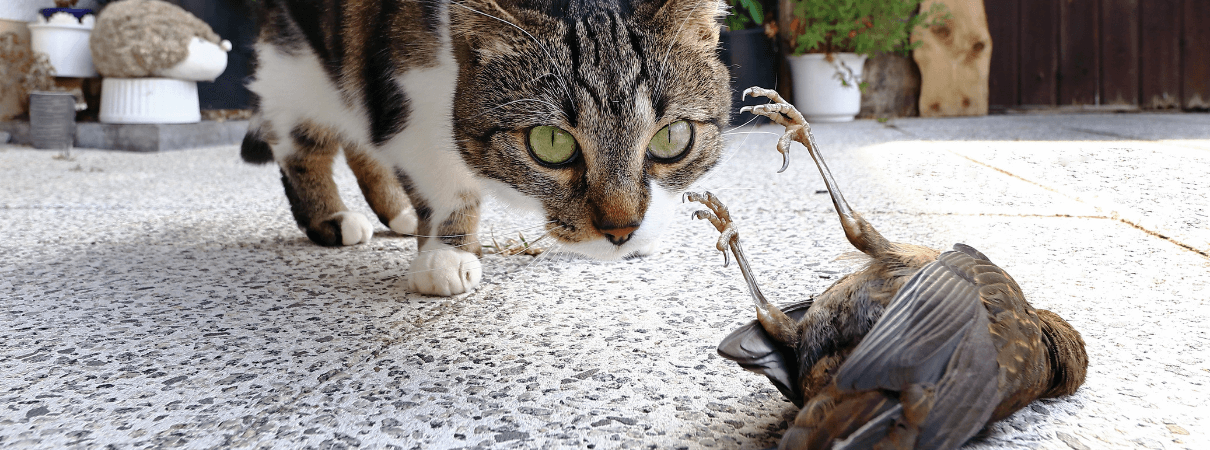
x: 830, y: 41
x: 746, y: 47
x: 29, y: 76
x: 62, y: 34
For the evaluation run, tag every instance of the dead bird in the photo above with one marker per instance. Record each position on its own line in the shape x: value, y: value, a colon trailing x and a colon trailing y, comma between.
x: 919, y: 349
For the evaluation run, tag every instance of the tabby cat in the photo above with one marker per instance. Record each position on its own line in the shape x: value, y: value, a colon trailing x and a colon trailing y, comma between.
x: 595, y: 113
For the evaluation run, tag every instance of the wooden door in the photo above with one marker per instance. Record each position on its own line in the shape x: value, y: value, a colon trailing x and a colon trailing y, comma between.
x: 1100, y: 54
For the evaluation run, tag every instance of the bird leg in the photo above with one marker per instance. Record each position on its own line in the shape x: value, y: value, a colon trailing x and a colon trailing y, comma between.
x: 780, y: 326
x: 860, y: 233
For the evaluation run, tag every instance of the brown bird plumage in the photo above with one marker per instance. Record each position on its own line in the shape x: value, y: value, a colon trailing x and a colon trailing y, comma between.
x: 919, y: 349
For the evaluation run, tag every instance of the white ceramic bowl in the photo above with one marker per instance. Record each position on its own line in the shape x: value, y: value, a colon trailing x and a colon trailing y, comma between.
x: 149, y: 100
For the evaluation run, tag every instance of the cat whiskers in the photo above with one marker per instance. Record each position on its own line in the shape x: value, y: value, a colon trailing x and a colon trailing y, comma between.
x: 520, y: 245
x: 544, y: 255
x: 547, y: 255
x: 700, y: 183
x: 749, y: 122
x: 515, y: 230
x: 750, y: 132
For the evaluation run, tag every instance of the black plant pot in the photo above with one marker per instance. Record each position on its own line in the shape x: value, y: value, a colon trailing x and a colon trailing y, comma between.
x: 753, y: 62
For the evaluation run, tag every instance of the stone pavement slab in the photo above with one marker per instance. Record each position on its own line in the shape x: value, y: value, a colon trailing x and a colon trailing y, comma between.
x: 168, y: 300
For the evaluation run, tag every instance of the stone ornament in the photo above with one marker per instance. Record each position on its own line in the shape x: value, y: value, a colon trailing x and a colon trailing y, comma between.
x: 153, y: 38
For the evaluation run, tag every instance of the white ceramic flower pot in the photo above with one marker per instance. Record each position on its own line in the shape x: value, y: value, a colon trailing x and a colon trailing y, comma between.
x: 827, y: 91
x: 64, y: 40
x: 149, y: 100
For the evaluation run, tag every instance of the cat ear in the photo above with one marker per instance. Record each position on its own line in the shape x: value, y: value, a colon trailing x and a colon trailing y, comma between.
x: 489, y: 28
x: 696, y: 22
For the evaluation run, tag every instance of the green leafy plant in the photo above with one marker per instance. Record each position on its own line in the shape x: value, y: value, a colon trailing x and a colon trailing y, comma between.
x: 859, y: 26
x: 744, y: 13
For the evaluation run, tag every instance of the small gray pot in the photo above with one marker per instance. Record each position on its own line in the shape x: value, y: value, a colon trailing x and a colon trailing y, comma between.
x: 52, y: 120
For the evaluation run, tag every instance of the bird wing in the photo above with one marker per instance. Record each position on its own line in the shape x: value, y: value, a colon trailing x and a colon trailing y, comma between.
x: 753, y: 349
x: 934, y: 334
x: 914, y: 339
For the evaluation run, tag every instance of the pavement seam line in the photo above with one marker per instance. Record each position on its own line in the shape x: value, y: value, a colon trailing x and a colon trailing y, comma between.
x: 1038, y: 216
x: 1115, y: 212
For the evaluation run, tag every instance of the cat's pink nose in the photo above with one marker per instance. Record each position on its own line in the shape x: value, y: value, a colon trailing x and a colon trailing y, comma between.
x: 618, y: 236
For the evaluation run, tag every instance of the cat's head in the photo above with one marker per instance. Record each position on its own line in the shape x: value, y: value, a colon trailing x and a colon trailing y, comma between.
x: 596, y: 113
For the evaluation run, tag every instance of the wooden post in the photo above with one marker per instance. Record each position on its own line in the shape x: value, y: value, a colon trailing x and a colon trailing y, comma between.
x: 954, y: 60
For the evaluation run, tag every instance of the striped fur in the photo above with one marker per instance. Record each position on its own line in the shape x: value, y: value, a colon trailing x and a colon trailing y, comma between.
x: 443, y: 93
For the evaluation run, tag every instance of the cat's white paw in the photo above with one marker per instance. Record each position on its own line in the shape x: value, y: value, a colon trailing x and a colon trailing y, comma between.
x: 405, y: 222
x: 444, y: 272
x: 355, y: 228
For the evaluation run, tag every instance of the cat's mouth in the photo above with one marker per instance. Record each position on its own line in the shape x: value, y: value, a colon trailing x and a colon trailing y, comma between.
x: 602, y: 241
x: 575, y: 231
x: 603, y: 249
x: 568, y: 233
x: 605, y: 243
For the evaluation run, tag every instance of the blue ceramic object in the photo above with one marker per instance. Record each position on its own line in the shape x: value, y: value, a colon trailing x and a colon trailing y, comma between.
x: 79, y: 13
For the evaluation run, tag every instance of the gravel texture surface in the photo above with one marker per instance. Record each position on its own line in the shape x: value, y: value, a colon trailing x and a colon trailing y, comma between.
x: 168, y: 300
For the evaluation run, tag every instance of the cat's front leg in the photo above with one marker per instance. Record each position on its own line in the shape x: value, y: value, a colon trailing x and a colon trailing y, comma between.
x: 448, y: 259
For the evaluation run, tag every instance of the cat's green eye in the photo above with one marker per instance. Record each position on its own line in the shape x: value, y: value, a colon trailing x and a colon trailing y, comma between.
x: 671, y: 142
x: 551, y: 145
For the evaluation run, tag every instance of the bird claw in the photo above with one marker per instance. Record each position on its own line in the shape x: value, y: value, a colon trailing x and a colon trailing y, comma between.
x: 757, y: 91
x: 782, y: 113
x: 718, y: 216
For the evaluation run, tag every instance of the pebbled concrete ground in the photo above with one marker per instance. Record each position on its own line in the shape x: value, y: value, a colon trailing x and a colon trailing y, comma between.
x: 168, y: 300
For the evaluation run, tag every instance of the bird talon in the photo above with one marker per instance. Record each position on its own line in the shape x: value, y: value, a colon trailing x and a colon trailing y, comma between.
x: 693, y: 197
x: 718, y: 215
x: 750, y: 91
